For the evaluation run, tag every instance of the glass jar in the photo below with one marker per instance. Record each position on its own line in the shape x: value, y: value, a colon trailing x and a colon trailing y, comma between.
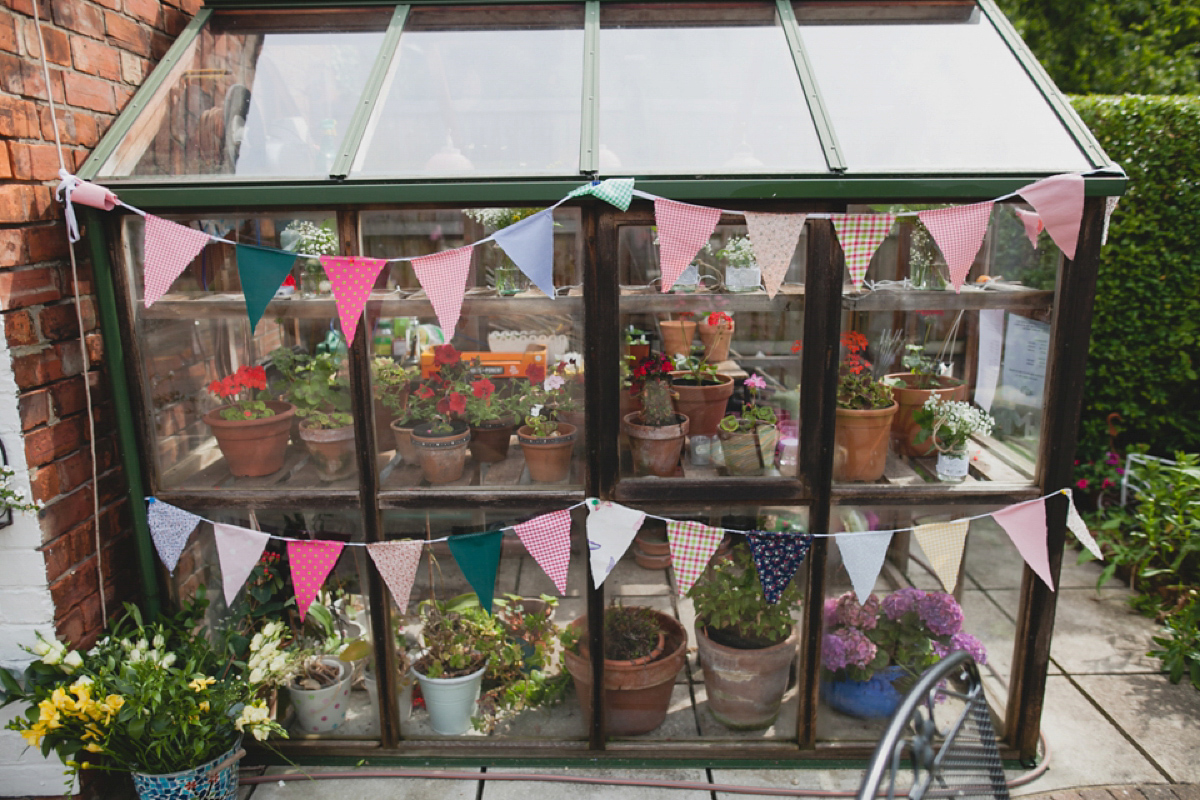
x: 952, y: 466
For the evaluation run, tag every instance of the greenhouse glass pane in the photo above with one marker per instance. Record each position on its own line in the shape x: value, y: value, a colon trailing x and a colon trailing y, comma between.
x: 934, y: 97
x: 480, y: 92
x: 266, y: 96
x: 702, y: 90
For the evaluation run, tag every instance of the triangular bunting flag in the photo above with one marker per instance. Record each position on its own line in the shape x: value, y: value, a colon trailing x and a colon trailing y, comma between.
x: 1025, y: 524
x: 618, y: 191
x: 238, y: 550
x: 167, y: 248
x: 777, y: 556
x: 692, y: 545
x: 530, y: 244
x: 1032, y: 222
x: 774, y: 238
x: 943, y: 542
x: 311, y: 561
x: 478, y: 556
x: 959, y: 232
x: 610, y: 531
x: 548, y: 540
x: 860, y: 236
x: 397, y: 564
x: 682, y: 230
x: 1059, y: 202
x: 862, y: 554
x: 1078, y: 527
x: 262, y: 270
x: 351, y: 279
x: 444, y: 277
x: 170, y: 528
x: 1110, y: 205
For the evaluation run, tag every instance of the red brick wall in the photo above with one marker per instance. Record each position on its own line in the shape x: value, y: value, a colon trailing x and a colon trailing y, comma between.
x: 99, y: 52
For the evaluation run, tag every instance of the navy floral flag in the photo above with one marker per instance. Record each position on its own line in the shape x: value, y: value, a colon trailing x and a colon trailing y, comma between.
x: 777, y: 556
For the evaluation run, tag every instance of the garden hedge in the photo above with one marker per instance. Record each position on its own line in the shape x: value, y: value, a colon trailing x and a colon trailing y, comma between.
x: 1145, y: 347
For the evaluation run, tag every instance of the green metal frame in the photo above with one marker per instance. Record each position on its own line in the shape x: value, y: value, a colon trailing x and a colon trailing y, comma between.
x: 812, y: 92
x: 589, y: 123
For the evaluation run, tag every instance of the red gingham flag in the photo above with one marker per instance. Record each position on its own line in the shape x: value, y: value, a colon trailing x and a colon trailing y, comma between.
x: 397, y: 564
x: 444, y: 278
x: 351, y: 279
x: 311, y: 561
x: 682, y: 230
x: 692, y: 545
x: 860, y: 236
x: 167, y: 248
x: 1032, y: 222
x: 959, y: 232
x: 548, y: 540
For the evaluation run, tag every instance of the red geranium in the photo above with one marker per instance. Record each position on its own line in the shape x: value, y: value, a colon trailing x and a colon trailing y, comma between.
x: 446, y: 355
x: 536, y: 373
x: 424, y: 393
x: 453, y: 403
x: 717, y: 317
x: 230, y: 388
x: 482, y: 388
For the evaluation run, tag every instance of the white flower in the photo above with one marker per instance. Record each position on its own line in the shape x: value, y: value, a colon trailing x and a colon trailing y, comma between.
x: 535, y: 411
x: 159, y: 641
x: 80, y: 682
x: 72, y: 662
x: 271, y: 629
x: 256, y: 676
x: 168, y: 660
x: 41, y: 647
x: 279, y: 663
x: 142, y: 645
x: 554, y: 382
x: 135, y: 656
x: 54, y: 655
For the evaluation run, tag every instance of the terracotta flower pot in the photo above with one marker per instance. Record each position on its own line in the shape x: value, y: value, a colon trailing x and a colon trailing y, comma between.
x: 745, y: 687
x: 638, y: 351
x: 904, y: 430
x: 384, y: 417
x: 716, y: 340
x: 332, y: 451
x: 677, y: 335
x: 656, y: 448
x: 548, y: 457
x: 576, y: 418
x: 253, y: 447
x: 489, y: 441
x: 704, y: 405
x: 442, y: 455
x: 751, y: 452
x: 404, y: 445
x: 651, y: 548
x: 860, y: 443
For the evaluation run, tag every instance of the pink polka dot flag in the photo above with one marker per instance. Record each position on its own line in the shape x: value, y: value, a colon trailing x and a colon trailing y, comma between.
x: 1025, y: 524
x: 958, y: 231
x: 351, y: 278
x: 692, y: 545
x: 311, y: 561
x: 682, y: 230
x: 860, y: 236
x: 167, y: 248
x: 397, y: 563
x: 548, y: 540
x: 443, y: 276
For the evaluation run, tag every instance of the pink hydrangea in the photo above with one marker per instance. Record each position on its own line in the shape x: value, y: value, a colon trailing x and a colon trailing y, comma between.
x: 897, y: 604
x: 940, y: 613
x: 847, y: 647
x: 851, y: 614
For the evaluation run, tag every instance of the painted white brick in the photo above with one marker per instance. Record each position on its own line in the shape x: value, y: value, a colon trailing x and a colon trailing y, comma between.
x: 23, y: 568
x: 23, y: 770
x: 13, y: 637
x: 26, y: 607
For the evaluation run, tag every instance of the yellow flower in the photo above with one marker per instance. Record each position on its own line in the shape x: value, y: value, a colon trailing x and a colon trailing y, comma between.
x: 114, y: 702
x: 62, y: 701
x: 93, y: 747
x: 200, y: 684
x: 92, y: 732
x: 204, y: 706
x: 33, y: 736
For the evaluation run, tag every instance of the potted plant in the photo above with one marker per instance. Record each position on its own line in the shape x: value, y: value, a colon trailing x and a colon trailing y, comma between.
x: 677, y: 334
x: 390, y: 388
x: 644, y: 650
x: 703, y: 393
x: 320, y: 389
x: 656, y: 432
x: 547, y: 443
x: 491, y: 411
x: 864, y: 416
x: 746, y: 644
x: 303, y: 236
x: 911, y: 389
x: 749, y: 441
x: 871, y: 653
x: 419, y: 408
x: 122, y: 706
x: 948, y: 424
x: 742, y: 273
x: 441, y: 442
x: 251, y: 430
x: 716, y: 332
x: 637, y: 346
x: 458, y: 645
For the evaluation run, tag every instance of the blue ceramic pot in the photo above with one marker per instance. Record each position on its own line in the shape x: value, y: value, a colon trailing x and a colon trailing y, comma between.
x: 870, y: 699
x: 216, y: 780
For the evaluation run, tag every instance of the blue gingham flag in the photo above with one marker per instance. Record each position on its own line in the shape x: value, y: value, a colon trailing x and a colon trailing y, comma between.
x: 170, y: 528
x: 777, y: 556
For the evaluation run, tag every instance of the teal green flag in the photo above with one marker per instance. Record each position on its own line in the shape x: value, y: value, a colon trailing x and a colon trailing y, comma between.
x: 478, y: 556
x: 262, y: 270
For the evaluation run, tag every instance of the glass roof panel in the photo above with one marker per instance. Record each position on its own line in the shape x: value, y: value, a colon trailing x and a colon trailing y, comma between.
x: 483, y: 91
x: 927, y: 97
x: 701, y: 89
x: 258, y: 95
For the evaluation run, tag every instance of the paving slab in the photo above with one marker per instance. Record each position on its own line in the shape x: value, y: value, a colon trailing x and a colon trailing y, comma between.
x: 523, y: 790
x: 825, y: 780
x: 375, y: 788
x: 983, y: 619
x: 1163, y: 718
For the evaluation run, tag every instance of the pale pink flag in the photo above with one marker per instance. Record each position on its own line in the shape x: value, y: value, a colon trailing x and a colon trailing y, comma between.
x: 1025, y: 524
x: 1059, y: 202
x: 682, y: 230
x: 548, y: 540
x: 167, y: 249
x: 958, y: 231
x: 444, y: 277
x: 692, y: 545
x: 860, y: 236
x: 1032, y: 222
x: 397, y: 563
x: 351, y: 278
x: 311, y: 562
x: 774, y: 238
x: 238, y: 550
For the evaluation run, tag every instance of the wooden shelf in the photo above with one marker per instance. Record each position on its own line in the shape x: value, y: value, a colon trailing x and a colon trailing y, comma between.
x: 972, y: 298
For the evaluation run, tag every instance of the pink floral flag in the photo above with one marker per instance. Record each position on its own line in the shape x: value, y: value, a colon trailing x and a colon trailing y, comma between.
x: 860, y: 236
x: 1078, y: 527
x: 238, y: 549
x: 774, y: 238
x: 1025, y: 524
x: 311, y: 561
x: 958, y: 231
x: 1059, y: 202
x: 351, y: 278
x: 167, y: 249
x: 682, y: 230
x: 1032, y: 222
x: 862, y: 554
x: 548, y: 540
x: 692, y: 545
x: 943, y: 542
x: 444, y: 277
x: 610, y: 530
x: 397, y: 564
